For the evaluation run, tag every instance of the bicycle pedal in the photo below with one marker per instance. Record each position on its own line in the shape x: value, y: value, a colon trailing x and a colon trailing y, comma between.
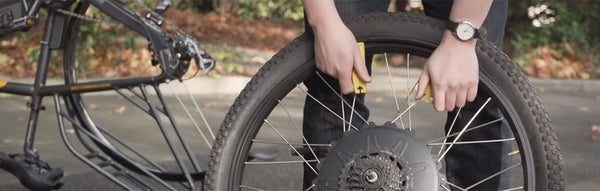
x: 32, y: 173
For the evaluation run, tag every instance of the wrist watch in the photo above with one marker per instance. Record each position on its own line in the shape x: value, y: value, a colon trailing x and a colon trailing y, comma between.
x: 464, y: 30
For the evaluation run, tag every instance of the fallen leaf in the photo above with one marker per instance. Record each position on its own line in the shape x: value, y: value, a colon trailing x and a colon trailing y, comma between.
x: 221, y: 96
x: 292, y: 96
x: 4, y: 95
x: 70, y: 131
x: 24, y: 108
x: 119, y: 110
x: 595, y: 133
x: 379, y: 99
x: 209, y: 105
x: 541, y: 90
x: 92, y: 106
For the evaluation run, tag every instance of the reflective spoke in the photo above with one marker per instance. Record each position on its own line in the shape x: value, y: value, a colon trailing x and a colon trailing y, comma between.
x: 293, y: 148
x: 323, y: 105
x: 299, y: 131
x: 492, y: 176
x: 311, y: 187
x: 464, y: 128
x: 473, y: 142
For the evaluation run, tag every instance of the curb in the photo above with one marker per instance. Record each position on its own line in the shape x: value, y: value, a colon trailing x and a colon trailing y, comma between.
x: 562, y: 85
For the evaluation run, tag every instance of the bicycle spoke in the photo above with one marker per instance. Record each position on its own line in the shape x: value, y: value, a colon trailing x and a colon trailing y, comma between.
x: 341, y: 97
x: 163, y: 130
x: 390, y: 79
x: 251, y: 188
x: 295, y: 144
x: 403, y: 112
x: 449, y: 131
x: 299, y: 131
x: 182, y: 139
x: 473, y: 142
x: 293, y: 148
x: 199, y: 110
x: 323, y: 105
x: 470, y: 129
x: 392, y: 87
x: 407, y: 85
x: 352, y: 109
x: 189, y: 115
x: 404, y: 103
x: 516, y: 188
x: 311, y: 187
x: 454, y: 185
x: 445, y: 188
x: 278, y: 162
x: 464, y: 128
x: 492, y: 176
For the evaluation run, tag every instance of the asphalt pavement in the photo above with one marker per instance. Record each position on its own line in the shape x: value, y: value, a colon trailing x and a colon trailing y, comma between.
x: 573, y: 105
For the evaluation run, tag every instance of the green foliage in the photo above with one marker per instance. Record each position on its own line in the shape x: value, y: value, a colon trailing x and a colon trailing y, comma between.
x: 291, y: 10
x: 575, y: 23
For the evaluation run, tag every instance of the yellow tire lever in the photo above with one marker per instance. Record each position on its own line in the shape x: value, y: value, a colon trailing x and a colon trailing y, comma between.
x: 360, y: 87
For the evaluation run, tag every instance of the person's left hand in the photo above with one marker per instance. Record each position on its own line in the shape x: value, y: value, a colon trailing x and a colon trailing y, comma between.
x: 453, y: 72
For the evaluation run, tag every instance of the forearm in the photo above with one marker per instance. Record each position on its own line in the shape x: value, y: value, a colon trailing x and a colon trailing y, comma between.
x: 321, y: 13
x: 474, y: 11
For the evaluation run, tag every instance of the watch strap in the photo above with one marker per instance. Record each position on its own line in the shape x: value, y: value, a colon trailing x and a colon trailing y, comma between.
x: 479, y: 32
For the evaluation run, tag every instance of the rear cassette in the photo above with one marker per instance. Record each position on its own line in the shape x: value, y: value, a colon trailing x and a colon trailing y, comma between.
x: 379, y: 158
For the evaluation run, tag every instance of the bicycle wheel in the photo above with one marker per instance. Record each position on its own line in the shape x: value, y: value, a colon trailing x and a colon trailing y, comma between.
x: 267, y: 115
x: 155, y: 129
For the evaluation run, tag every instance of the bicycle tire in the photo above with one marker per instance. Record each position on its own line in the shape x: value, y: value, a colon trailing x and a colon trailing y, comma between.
x: 295, y: 63
x: 76, y: 106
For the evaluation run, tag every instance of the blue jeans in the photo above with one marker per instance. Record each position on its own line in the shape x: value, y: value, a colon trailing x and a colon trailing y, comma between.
x: 320, y: 126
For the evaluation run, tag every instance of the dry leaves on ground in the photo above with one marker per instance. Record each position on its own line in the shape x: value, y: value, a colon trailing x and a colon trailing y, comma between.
x: 118, y: 111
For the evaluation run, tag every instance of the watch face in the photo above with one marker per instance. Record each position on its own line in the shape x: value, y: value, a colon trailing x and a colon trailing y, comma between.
x: 465, y: 31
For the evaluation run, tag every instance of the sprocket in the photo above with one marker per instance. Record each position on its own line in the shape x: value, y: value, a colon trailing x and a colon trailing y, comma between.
x: 379, y: 158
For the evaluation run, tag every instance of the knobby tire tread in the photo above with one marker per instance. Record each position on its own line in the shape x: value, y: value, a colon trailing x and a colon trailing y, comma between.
x: 544, y: 135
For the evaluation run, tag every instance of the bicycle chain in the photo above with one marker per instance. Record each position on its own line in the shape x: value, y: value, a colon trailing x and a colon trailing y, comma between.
x: 86, y: 18
x: 112, y: 24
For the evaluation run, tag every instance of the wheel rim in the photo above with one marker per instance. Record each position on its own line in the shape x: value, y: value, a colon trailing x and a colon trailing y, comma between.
x: 374, y: 46
x: 162, y: 167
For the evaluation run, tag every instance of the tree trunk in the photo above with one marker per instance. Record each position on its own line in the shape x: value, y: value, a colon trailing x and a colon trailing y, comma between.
x: 228, y: 6
x: 207, y: 6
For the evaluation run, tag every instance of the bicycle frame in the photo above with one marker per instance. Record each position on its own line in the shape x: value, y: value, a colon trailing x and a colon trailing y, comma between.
x: 55, y: 30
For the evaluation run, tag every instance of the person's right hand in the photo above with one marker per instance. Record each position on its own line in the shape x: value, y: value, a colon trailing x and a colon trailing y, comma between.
x: 337, y: 54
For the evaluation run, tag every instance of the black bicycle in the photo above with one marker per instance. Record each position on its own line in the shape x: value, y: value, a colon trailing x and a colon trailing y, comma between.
x: 113, y: 156
x: 260, y: 145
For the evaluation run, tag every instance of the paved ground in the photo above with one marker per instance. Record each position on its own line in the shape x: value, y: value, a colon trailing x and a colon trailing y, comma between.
x: 573, y: 109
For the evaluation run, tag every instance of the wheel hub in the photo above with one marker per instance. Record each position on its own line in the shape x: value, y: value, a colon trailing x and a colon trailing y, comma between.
x: 379, y: 158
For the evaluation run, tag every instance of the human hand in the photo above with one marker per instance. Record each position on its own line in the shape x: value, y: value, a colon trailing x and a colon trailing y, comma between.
x: 453, y: 71
x: 337, y: 54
